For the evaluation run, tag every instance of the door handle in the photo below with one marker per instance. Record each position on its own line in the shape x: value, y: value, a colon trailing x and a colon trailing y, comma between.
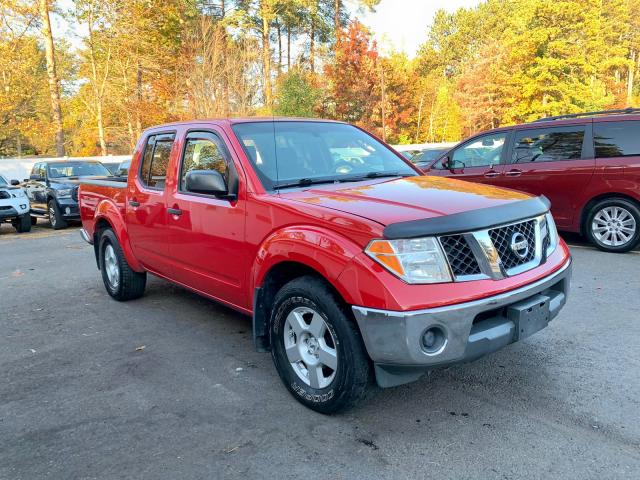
x: 491, y: 174
x: 133, y: 203
x: 514, y: 173
x: 174, y: 211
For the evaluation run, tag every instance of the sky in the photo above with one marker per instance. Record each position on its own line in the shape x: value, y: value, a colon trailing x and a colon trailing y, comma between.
x: 402, y: 25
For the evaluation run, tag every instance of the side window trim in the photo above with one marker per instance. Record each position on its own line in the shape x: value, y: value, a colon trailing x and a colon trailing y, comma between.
x: 157, y: 138
x: 204, y: 134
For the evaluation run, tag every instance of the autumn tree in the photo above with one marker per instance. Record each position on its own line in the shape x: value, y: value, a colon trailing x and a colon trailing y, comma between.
x: 52, y: 73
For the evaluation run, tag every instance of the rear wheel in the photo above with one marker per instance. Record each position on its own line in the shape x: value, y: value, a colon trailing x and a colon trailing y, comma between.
x: 22, y: 224
x: 317, y: 349
x: 56, y: 219
x: 34, y: 220
x: 121, y: 282
x: 613, y: 225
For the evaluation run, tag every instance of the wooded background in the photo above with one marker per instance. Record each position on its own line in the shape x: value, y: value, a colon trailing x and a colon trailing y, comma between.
x: 144, y: 62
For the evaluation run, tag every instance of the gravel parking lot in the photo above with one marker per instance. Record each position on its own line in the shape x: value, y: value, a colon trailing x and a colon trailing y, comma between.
x: 169, y: 387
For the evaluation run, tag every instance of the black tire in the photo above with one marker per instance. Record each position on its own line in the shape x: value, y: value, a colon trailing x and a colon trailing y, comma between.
x: 131, y: 284
x: 623, y: 203
x: 34, y: 221
x: 22, y: 224
x: 56, y: 219
x: 353, y: 374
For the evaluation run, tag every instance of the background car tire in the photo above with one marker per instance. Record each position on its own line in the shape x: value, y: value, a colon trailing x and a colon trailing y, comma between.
x: 23, y: 223
x: 608, y: 205
x: 352, y: 378
x: 131, y: 284
x: 34, y: 221
x: 55, y: 216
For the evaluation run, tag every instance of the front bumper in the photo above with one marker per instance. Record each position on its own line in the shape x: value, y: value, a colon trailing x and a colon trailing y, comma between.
x: 470, y: 330
x: 69, y: 208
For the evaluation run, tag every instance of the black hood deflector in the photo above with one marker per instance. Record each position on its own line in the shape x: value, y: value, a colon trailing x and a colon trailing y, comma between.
x: 470, y: 221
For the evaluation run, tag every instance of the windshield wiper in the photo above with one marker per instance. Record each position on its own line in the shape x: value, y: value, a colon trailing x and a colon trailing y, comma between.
x: 305, y: 182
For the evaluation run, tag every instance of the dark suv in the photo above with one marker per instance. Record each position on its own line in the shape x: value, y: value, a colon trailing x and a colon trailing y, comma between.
x: 587, y: 164
x: 52, y: 188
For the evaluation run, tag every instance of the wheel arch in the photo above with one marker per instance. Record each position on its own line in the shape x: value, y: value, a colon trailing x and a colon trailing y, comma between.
x: 292, y: 253
x: 108, y: 216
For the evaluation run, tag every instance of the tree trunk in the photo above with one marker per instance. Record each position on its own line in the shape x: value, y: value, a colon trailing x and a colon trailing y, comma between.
x: 279, y: 32
x: 288, y: 48
x: 384, y: 107
x: 266, y: 55
x: 54, y: 83
x: 415, y: 139
x: 138, y: 98
x: 96, y: 91
x: 630, y: 78
x: 312, y: 47
x: 336, y: 20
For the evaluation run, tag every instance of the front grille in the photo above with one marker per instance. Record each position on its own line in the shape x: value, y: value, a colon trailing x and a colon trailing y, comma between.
x: 74, y: 193
x: 4, y: 194
x: 502, y: 237
x: 461, y: 258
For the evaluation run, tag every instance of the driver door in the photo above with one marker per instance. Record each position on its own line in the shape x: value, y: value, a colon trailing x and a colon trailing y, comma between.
x: 480, y: 159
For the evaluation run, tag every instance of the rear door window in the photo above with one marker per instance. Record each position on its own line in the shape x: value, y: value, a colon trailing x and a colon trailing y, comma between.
x: 155, y: 161
x: 548, y: 144
x: 616, y: 139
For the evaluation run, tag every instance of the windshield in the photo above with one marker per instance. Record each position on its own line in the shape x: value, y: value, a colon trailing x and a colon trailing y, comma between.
x: 287, y: 153
x: 3, y: 182
x: 77, y: 169
x: 428, y: 155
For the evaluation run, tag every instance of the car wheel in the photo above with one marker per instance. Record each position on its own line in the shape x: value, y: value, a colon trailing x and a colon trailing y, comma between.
x: 34, y: 221
x: 23, y: 223
x: 121, y: 282
x: 56, y: 219
x: 613, y: 225
x: 317, y: 348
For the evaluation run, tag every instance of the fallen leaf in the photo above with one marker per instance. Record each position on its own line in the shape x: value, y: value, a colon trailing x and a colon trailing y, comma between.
x: 140, y: 348
x: 17, y: 273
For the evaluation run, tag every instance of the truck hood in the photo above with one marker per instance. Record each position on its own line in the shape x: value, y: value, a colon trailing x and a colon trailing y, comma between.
x: 406, y: 199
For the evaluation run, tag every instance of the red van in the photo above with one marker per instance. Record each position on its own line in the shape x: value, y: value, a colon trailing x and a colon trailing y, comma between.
x: 587, y: 165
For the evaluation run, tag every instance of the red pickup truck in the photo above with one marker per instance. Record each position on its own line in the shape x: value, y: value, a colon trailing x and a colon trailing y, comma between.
x: 352, y: 265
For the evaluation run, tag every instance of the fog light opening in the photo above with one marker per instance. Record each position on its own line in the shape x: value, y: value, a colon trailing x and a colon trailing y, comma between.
x: 433, y: 340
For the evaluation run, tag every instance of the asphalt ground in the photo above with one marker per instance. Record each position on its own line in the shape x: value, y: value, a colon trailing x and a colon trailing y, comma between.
x: 170, y: 387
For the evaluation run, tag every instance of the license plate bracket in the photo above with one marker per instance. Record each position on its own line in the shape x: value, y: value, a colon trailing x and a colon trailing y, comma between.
x: 529, y: 316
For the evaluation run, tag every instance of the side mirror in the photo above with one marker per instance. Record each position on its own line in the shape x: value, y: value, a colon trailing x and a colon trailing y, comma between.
x: 208, y: 182
x: 446, y: 162
x: 15, y: 182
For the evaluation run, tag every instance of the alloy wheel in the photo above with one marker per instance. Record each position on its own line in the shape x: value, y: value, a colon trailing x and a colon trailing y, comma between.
x: 52, y: 216
x: 310, y: 347
x: 111, y: 266
x: 613, y: 226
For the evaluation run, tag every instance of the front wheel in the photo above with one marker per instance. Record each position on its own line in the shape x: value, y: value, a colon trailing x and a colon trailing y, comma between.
x: 23, y: 223
x: 613, y: 225
x: 317, y: 349
x: 121, y: 282
x: 56, y: 219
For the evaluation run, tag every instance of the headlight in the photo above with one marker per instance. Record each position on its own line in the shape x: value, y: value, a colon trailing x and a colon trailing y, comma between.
x: 63, y: 192
x: 416, y: 260
x: 18, y: 193
x: 553, y: 233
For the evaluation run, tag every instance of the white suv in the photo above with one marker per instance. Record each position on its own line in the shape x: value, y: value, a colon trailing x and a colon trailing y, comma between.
x: 14, y: 206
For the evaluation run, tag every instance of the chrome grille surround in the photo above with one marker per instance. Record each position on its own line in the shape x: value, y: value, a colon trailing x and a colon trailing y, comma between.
x: 487, y: 254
